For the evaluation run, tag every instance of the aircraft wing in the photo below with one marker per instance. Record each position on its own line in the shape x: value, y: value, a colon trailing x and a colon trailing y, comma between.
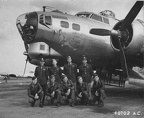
x: 8, y: 75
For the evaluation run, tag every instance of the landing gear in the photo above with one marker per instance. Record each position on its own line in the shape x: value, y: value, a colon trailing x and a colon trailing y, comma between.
x: 114, y: 78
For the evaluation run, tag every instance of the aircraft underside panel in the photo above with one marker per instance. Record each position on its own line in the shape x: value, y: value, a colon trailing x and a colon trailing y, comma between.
x: 41, y: 49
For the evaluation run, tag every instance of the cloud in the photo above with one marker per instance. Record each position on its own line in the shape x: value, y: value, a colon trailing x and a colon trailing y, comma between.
x: 119, y: 7
x: 6, y: 31
x: 11, y: 44
x: 58, y: 4
x: 70, y: 6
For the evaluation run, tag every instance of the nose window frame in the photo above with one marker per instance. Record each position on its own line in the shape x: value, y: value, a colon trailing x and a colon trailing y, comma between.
x: 45, y: 19
x: 48, y: 20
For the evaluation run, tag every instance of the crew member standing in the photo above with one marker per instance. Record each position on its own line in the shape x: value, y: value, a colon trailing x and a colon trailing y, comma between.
x: 56, y: 71
x: 41, y: 73
x: 70, y: 70
x: 86, y: 71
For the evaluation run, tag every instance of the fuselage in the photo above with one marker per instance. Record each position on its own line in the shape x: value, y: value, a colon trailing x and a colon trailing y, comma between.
x: 70, y: 35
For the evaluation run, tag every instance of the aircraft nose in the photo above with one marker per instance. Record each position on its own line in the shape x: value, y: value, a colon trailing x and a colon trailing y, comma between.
x: 27, y: 25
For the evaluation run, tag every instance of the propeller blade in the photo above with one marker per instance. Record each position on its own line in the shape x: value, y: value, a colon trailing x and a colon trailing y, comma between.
x: 25, y: 66
x: 101, y: 32
x: 123, y: 60
x: 132, y: 14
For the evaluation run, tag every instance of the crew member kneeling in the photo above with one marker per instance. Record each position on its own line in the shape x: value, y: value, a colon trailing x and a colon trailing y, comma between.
x: 53, y: 91
x: 35, y: 92
x: 97, y: 90
x: 82, y: 92
x: 67, y: 89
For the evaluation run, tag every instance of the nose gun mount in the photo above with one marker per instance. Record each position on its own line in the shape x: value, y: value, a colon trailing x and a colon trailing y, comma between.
x: 27, y: 25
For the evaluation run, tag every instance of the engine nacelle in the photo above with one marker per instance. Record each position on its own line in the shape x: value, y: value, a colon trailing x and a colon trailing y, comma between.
x: 133, y: 40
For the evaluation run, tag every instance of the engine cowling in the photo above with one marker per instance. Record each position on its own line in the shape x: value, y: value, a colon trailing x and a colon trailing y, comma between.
x: 132, y: 38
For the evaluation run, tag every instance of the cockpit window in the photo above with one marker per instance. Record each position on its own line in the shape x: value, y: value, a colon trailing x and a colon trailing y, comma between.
x: 93, y: 16
x: 84, y: 15
x: 105, y: 20
x: 96, y: 17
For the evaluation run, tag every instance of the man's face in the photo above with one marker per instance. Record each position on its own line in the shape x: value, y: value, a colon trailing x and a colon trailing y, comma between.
x: 69, y: 60
x: 65, y: 79
x: 84, y: 61
x: 96, y: 78
x: 42, y: 63
x: 34, y: 81
x: 80, y: 80
x: 53, y: 79
x: 54, y: 62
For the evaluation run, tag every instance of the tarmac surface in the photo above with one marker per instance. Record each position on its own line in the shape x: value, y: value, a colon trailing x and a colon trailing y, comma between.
x: 120, y: 103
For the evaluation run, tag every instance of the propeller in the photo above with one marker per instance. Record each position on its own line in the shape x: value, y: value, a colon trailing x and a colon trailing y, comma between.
x: 119, y: 33
x: 123, y: 60
x: 131, y: 15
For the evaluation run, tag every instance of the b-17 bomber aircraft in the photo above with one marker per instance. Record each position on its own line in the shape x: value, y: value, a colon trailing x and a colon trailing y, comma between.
x: 106, y: 41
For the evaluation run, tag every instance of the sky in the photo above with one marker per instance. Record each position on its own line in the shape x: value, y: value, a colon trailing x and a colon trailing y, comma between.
x: 12, y: 59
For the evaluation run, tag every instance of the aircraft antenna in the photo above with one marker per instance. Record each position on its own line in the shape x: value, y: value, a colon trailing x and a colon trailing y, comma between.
x: 66, y: 6
x: 44, y: 8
